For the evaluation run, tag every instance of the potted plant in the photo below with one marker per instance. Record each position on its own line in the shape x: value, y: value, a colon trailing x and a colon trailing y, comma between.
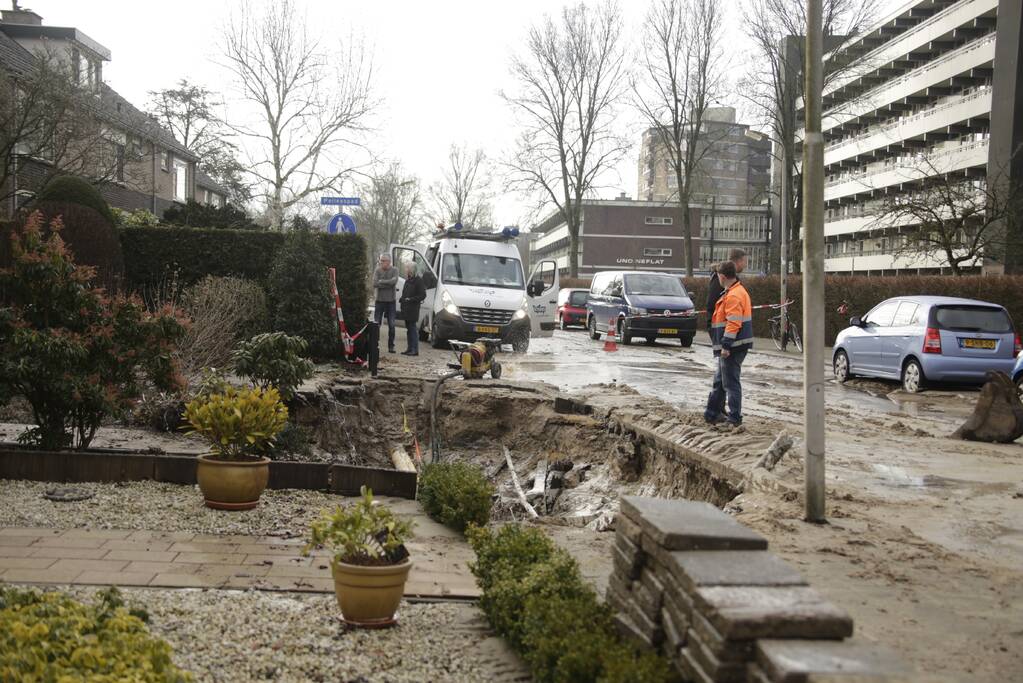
x: 370, y: 564
x: 237, y: 423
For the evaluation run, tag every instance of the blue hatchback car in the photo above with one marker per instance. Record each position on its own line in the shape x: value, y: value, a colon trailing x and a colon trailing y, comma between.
x: 637, y: 303
x: 920, y: 339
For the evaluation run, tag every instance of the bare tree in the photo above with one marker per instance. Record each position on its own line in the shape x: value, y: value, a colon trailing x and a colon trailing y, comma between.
x: 953, y: 218
x: 56, y: 125
x: 189, y: 112
x: 464, y: 192
x: 682, y: 73
x: 391, y: 210
x: 773, y: 82
x: 311, y: 103
x: 570, y: 81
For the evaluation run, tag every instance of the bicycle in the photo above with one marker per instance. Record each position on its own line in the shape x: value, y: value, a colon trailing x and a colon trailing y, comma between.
x: 791, y: 331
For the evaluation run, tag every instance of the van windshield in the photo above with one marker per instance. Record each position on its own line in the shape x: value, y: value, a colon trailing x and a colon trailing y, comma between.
x: 481, y: 270
x: 653, y: 285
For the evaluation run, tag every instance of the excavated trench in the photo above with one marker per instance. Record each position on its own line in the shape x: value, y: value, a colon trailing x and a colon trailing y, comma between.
x: 573, y: 461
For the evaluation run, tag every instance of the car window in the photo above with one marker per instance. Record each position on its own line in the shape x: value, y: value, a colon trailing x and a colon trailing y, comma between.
x: 905, y: 314
x: 578, y: 298
x: 615, y: 287
x: 882, y: 315
x: 599, y: 283
x: 972, y: 319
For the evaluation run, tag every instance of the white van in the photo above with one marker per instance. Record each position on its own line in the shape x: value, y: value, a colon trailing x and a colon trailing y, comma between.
x: 475, y: 288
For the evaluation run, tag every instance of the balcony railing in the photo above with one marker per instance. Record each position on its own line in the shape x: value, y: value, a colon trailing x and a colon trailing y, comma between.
x: 929, y: 159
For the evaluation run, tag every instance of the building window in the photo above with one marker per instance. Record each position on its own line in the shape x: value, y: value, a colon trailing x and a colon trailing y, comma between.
x: 119, y: 163
x: 655, y: 251
x: 165, y: 160
x: 658, y: 220
x: 180, y: 177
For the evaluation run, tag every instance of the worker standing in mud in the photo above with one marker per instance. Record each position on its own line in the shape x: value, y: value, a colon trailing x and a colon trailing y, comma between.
x: 385, y: 281
x: 731, y: 333
x: 714, y: 290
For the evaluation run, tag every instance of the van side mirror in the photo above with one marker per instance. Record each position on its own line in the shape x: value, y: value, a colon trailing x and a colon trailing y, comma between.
x: 535, y: 288
x: 429, y: 279
x: 855, y: 321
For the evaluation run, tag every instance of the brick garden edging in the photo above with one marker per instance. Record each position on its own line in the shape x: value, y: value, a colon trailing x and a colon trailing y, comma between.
x: 83, y: 466
x: 701, y: 588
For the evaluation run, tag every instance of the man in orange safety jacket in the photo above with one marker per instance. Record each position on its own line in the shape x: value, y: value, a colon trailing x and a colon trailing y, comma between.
x: 732, y: 337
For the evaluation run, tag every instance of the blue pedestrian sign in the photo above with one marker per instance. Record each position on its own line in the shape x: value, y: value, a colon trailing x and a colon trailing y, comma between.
x: 341, y: 223
x: 340, y: 201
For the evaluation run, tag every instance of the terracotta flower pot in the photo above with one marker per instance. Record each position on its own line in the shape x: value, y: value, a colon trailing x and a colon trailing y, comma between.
x: 232, y: 484
x: 369, y: 596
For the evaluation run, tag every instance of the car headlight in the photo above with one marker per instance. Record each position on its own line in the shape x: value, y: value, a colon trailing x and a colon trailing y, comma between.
x: 523, y: 309
x: 633, y: 310
x: 448, y: 303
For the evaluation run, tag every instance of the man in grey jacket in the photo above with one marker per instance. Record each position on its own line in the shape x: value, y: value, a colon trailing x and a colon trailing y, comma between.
x: 385, y: 280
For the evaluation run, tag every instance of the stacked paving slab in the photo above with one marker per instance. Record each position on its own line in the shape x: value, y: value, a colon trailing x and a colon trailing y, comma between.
x: 701, y: 588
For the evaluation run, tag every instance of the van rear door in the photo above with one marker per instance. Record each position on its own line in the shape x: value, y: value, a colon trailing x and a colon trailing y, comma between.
x: 542, y: 292
x: 400, y: 256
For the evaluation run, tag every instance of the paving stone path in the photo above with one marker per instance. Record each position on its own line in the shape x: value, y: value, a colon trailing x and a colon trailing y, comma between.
x: 172, y: 559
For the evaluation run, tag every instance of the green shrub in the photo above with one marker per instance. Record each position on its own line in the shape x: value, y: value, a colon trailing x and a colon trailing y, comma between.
x: 274, y: 359
x: 139, y: 218
x: 74, y: 353
x: 223, y: 311
x: 456, y: 494
x: 90, y: 238
x: 74, y: 190
x: 300, y: 299
x: 152, y: 256
x: 535, y: 596
x: 239, y: 423
x: 51, y: 637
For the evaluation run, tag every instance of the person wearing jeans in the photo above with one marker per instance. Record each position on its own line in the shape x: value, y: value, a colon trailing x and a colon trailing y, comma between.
x: 732, y: 336
x: 412, y: 295
x: 385, y: 279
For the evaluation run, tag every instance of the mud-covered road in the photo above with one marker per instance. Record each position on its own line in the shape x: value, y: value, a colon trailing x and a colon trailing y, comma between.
x: 924, y: 544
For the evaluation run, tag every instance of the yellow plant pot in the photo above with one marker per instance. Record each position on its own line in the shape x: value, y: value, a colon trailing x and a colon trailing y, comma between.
x: 232, y: 484
x: 369, y: 596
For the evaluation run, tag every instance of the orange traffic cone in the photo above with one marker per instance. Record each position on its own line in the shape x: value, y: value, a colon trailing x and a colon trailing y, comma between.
x: 611, y: 343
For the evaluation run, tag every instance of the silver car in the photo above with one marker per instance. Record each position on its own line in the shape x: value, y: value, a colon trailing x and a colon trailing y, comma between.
x: 920, y: 339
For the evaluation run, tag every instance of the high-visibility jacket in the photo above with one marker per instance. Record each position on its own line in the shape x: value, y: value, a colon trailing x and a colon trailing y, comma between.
x: 732, y: 323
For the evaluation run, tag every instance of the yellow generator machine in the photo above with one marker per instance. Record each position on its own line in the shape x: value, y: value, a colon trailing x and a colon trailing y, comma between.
x: 477, y: 358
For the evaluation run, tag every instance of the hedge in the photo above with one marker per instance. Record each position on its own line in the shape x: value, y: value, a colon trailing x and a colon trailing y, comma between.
x: 455, y: 494
x: 863, y: 293
x: 153, y: 256
x: 536, y: 598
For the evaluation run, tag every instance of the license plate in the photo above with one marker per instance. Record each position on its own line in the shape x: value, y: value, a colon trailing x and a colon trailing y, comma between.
x: 667, y: 330
x: 482, y: 329
x: 979, y: 343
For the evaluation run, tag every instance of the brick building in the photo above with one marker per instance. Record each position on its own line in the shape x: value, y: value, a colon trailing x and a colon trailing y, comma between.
x: 141, y: 165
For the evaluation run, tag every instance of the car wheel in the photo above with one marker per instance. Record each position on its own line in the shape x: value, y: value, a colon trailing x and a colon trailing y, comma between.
x: 912, y: 376
x: 435, y: 341
x: 686, y: 340
x: 592, y: 325
x: 1019, y: 385
x: 495, y: 370
x: 623, y: 333
x: 841, y: 366
x: 520, y: 344
x: 561, y: 323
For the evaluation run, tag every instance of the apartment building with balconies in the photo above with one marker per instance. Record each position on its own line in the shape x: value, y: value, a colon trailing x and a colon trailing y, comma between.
x: 919, y: 100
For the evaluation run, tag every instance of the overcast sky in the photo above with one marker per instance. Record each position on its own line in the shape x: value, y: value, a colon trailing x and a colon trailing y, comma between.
x: 440, y: 65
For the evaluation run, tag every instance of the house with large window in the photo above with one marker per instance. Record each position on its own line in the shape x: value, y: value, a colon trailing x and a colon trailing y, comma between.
x: 66, y: 120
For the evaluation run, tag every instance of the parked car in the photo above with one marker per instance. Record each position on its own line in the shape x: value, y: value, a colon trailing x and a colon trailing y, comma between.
x: 921, y: 339
x: 640, y: 304
x: 572, y: 307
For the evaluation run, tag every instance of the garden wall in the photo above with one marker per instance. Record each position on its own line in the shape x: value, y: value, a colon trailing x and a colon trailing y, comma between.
x: 154, y: 257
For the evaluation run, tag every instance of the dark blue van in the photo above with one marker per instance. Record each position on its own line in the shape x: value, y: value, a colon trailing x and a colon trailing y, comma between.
x: 638, y: 302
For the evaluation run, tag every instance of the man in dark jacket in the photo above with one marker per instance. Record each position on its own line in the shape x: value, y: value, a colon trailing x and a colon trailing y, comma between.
x: 412, y: 294
x: 714, y: 289
x: 385, y: 279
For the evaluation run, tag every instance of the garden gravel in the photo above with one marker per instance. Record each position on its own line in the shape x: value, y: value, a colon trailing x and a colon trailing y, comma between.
x: 255, y: 636
x: 159, y: 507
